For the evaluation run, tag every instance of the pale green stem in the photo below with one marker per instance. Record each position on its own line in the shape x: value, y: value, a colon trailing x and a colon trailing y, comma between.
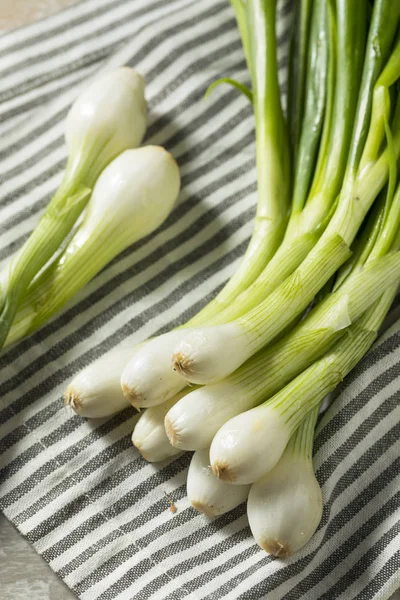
x: 279, y: 309
x: 307, y: 390
x: 302, y: 441
x: 62, y: 280
x: 274, y: 366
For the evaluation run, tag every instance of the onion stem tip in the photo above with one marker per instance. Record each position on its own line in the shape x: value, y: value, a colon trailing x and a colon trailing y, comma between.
x: 182, y: 364
x: 276, y: 548
x: 204, y: 508
x: 171, y: 431
x: 222, y: 471
x: 132, y: 396
x: 71, y: 398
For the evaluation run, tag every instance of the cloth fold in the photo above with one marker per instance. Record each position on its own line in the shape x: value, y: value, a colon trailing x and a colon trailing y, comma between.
x: 85, y: 499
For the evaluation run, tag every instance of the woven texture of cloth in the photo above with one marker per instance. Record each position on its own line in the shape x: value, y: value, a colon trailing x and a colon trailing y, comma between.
x: 79, y: 492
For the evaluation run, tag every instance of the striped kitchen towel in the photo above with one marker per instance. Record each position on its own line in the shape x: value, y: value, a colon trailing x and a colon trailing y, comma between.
x: 89, y: 504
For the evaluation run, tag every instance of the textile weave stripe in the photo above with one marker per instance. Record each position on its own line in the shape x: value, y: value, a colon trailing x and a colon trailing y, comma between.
x: 79, y: 492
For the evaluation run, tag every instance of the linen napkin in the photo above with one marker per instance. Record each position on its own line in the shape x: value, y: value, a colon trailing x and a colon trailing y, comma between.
x: 80, y: 493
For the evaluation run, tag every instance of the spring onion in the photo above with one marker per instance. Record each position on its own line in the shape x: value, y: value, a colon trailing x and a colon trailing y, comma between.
x: 142, y: 383
x: 131, y: 198
x: 267, y: 428
x: 95, y: 392
x: 207, y: 493
x: 149, y: 435
x: 214, y: 404
x: 147, y: 382
x: 284, y: 507
x: 106, y: 119
x: 300, y: 62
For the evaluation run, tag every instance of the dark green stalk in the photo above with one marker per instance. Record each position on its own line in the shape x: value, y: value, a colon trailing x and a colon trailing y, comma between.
x: 381, y: 36
x: 298, y: 67
x: 314, y: 103
x: 256, y: 20
x: 350, y: 19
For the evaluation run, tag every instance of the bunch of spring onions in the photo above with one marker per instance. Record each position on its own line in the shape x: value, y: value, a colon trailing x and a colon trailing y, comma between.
x: 123, y: 191
x: 242, y: 382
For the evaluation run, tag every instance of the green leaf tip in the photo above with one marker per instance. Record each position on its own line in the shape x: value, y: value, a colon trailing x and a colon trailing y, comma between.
x: 236, y: 84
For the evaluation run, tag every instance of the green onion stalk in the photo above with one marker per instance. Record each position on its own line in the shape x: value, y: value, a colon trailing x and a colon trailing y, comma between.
x: 319, y: 120
x: 201, y: 356
x: 257, y: 23
x: 299, y: 65
x: 139, y: 387
x: 132, y: 197
x: 273, y: 367
x: 335, y: 53
x: 106, y: 119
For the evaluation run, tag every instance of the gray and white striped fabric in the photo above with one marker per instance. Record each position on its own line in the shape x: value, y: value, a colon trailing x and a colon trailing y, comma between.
x: 76, y: 489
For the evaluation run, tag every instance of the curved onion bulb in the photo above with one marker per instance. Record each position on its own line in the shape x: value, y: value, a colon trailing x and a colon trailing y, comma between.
x: 95, y: 391
x: 285, y: 506
x: 249, y: 445
x: 194, y: 354
x: 131, y: 198
x: 149, y: 435
x: 149, y: 379
x: 107, y: 118
x: 193, y: 421
x: 206, y: 493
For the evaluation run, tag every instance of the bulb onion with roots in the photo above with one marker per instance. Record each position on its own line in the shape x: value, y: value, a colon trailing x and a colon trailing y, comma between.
x: 208, y: 494
x: 284, y: 507
x: 149, y: 435
x: 144, y: 380
x: 95, y: 392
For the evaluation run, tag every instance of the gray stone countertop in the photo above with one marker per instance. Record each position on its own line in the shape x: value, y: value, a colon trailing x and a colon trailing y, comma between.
x: 23, y: 573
